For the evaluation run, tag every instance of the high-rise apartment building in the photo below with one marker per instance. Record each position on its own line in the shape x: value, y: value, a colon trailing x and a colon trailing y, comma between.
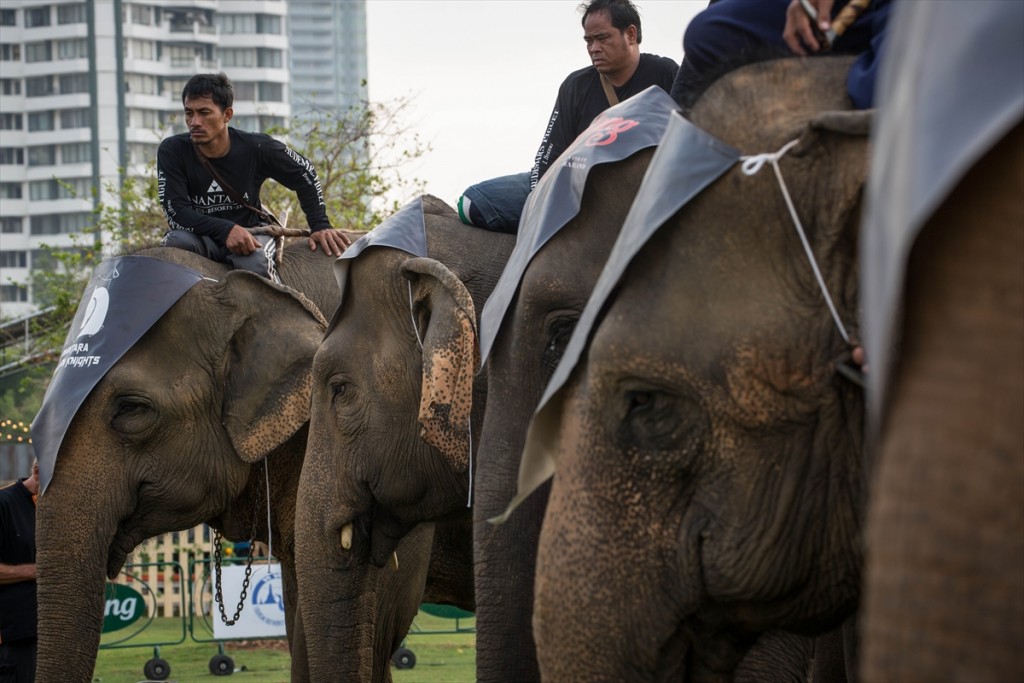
x: 328, y: 54
x: 88, y: 88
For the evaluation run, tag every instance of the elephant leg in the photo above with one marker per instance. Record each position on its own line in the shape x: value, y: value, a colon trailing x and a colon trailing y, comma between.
x: 945, y: 575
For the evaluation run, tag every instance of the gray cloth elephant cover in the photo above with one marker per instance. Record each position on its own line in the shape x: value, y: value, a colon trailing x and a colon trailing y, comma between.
x: 951, y: 87
x: 405, y: 230
x: 687, y: 160
x: 621, y: 131
x: 124, y: 299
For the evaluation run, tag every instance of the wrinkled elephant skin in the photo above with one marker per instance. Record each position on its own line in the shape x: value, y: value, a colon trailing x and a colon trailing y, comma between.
x: 707, y: 452
x: 161, y: 444
x: 945, y: 577
x: 552, y: 294
x: 395, y: 397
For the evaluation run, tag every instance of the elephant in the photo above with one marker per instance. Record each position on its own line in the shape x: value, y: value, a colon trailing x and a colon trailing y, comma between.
x: 396, y: 410
x: 943, y: 281
x: 174, y: 434
x: 706, y: 455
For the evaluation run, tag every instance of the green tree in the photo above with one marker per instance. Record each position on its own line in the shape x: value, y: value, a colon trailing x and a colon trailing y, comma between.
x: 358, y: 153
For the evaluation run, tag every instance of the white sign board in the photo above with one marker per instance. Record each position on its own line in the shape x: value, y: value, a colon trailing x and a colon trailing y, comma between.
x: 263, y: 613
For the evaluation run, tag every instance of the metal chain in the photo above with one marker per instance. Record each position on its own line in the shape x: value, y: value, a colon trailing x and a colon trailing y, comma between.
x: 218, y: 593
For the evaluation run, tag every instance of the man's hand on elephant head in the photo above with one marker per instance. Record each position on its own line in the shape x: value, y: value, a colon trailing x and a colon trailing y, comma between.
x: 801, y: 32
x: 333, y: 242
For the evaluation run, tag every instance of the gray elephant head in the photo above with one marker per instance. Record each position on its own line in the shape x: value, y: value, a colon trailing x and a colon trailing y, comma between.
x: 554, y: 289
x: 172, y: 436
x: 707, y: 480
x: 395, y: 405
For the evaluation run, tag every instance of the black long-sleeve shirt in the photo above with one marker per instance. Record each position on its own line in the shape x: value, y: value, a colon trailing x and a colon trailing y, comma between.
x: 192, y: 200
x: 17, y: 546
x: 581, y: 98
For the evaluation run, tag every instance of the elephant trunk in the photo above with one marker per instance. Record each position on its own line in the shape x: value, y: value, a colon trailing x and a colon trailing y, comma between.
x: 72, y: 550
x: 355, y: 614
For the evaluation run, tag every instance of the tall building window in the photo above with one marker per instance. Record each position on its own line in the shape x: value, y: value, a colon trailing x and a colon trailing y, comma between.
x: 74, y: 83
x: 10, y: 86
x: 271, y: 92
x: 10, y: 52
x: 140, y: 49
x: 72, y: 188
x: 145, y: 118
x: 13, y: 293
x: 13, y: 259
x: 42, y: 155
x: 141, y: 84
x: 234, y: 57
x: 10, y: 190
x: 141, y: 153
x: 75, y: 118
x: 10, y: 121
x: 245, y: 90
x: 37, y: 16
x: 268, y: 58
x: 142, y: 14
x: 39, y: 86
x: 12, y: 156
x: 75, y: 153
x: 71, y: 14
x: 73, y: 48
x: 8, y: 17
x: 39, y: 52
x: 59, y: 223
x: 268, y: 23
x: 10, y: 225
x: 236, y: 23
x: 40, y: 120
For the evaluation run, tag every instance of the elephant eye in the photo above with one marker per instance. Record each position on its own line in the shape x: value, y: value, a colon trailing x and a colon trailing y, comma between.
x: 659, y: 420
x: 133, y: 416
x: 339, y: 389
x: 559, y: 333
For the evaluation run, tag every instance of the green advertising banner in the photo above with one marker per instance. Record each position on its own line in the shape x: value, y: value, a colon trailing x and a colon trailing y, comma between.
x: 123, y: 607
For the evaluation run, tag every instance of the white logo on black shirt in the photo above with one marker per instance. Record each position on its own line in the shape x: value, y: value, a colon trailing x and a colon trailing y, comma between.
x: 214, y: 187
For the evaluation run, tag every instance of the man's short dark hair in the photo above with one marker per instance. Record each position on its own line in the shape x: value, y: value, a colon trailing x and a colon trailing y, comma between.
x: 622, y: 13
x: 215, y: 86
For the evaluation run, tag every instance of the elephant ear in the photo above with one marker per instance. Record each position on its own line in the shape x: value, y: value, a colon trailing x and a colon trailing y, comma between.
x: 446, y: 322
x: 268, y: 363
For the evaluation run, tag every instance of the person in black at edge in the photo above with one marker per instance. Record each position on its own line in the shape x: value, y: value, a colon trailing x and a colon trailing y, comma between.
x: 611, y: 29
x: 18, y: 579
x: 211, y: 220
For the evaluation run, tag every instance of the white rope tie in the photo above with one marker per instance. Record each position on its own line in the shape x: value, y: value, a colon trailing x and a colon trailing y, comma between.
x: 412, y: 317
x: 469, y: 501
x: 751, y: 165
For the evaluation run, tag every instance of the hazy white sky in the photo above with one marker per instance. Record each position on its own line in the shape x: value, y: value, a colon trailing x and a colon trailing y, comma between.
x: 483, y: 75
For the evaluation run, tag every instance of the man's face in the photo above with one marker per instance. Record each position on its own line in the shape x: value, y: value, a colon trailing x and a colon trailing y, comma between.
x: 610, y: 49
x: 205, y: 119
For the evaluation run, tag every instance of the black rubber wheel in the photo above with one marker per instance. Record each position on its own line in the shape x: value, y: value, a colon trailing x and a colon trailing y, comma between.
x: 222, y: 665
x: 157, y: 669
x: 404, y: 658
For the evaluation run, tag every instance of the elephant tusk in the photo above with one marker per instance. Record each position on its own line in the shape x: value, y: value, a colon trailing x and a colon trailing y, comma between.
x: 346, y: 536
x: 394, y: 560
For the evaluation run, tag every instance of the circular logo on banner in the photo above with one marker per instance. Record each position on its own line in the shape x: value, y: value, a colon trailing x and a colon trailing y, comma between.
x: 96, y: 313
x: 268, y: 600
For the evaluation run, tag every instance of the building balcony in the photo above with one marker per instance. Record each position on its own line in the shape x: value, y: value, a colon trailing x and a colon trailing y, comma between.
x: 191, y: 32
x: 47, y: 102
x: 191, y: 4
x: 187, y: 66
x: 54, y: 66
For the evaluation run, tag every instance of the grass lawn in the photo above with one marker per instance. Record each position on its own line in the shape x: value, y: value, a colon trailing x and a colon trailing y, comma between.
x: 440, y: 657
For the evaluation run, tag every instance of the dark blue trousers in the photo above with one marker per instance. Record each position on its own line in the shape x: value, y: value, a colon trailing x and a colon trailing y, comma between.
x: 728, y: 29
